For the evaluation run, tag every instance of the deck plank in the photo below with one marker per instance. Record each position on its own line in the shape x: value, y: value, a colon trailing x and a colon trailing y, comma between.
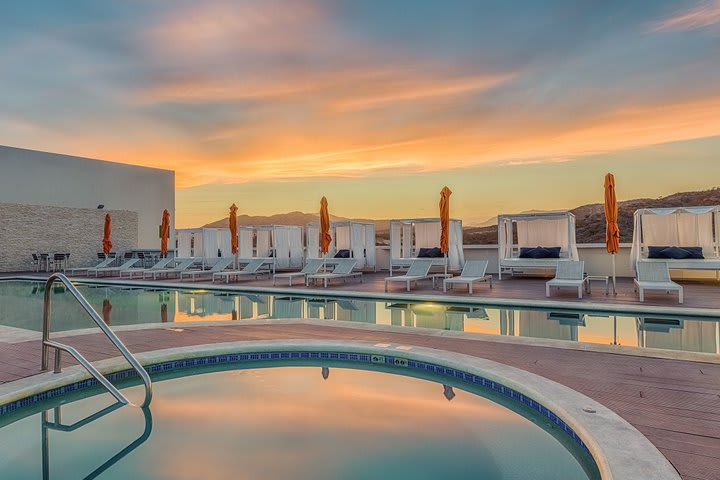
x: 679, y: 410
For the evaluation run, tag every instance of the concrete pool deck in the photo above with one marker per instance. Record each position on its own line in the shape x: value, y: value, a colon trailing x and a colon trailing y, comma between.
x: 674, y: 403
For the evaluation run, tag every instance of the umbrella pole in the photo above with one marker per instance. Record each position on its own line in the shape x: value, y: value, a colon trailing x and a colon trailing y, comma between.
x: 613, y: 275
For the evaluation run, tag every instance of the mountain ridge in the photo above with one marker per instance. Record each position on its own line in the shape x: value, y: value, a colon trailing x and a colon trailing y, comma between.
x: 590, y: 218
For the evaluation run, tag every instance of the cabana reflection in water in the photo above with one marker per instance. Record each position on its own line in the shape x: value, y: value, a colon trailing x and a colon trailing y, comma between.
x: 139, y: 305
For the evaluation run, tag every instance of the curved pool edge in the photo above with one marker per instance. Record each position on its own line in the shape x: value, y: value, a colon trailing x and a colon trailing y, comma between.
x: 619, y: 450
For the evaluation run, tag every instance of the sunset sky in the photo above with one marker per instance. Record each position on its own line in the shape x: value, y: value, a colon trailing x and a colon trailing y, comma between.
x: 377, y: 104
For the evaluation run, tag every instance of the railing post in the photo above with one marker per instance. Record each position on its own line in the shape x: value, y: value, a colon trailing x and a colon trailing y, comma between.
x: 59, y: 347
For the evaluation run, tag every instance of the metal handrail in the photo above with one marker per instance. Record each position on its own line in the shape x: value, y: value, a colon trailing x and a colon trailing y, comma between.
x: 60, y: 347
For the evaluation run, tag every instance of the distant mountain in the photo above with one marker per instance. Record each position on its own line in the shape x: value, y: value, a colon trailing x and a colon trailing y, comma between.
x: 590, y: 219
x: 293, y: 218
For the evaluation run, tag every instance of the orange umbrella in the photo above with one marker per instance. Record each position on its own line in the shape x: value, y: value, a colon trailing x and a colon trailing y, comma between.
x: 612, y: 230
x: 164, y: 233
x: 445, y: 219
x: 325, y: 237
x: 106, y: 243
x: 233, y: 229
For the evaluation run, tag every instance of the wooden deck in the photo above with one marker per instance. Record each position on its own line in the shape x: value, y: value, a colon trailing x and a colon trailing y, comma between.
x: 697, y: 294
x: 676, y: 404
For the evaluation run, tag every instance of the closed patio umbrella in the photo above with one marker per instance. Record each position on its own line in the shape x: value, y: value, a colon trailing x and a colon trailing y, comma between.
x: 445, y: 221
x: 233, y: 231
x: 164, y: 233
x: 325, y: 237
x: 107, y: 243
x: 612, y: 230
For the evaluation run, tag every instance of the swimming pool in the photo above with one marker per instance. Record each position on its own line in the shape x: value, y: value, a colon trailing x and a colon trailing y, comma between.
x: 321, y: 420
x: 21, y: 307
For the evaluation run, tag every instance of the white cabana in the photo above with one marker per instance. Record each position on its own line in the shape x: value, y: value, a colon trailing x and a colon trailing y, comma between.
x: 678, y: 227
x: 206, y: 243
x: 282, y: 243
x: 553, y: 229
x: 407, y: 237
x: 357, y: 237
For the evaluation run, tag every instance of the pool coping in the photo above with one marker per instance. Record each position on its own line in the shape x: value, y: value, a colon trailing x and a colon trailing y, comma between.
x: 588, y: 307
x: 619, y: 450
x: 23, y: 335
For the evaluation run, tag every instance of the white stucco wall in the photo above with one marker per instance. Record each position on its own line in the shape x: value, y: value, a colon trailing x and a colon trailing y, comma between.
x: 39, y: 178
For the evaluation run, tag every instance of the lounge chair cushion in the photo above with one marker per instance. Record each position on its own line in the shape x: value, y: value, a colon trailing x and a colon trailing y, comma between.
x: 540, y: 252
x: 343, y: 254
x: 676, y: 253
x: 433, y: 252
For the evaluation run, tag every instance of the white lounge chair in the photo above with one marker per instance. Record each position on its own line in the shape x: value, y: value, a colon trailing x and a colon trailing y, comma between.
x: 112, y: 270
x: 251, y: 269
x: 419, y: 270
x: 312, y: 267
x: 180, y: 266
x: 569, y: 273
x: 343, y: 270
x: 655, y: 276
x: 160, y: 265
x: 473, y: 271
x: 103, y: 264
x: 220, y: 265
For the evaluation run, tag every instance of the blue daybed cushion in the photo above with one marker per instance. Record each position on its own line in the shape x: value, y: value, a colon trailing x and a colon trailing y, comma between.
x: 540, y: 252
x: 342, y: 254
x: 433, y: 252
x: 676, y: 253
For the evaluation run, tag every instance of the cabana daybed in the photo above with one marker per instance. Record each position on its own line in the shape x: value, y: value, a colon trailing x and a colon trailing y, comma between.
x: 281, y: 244
x: 355, y: 238
x: 520, y: 235
x: 693, y: 231
x: 408, y: 237
x: 205, y: 243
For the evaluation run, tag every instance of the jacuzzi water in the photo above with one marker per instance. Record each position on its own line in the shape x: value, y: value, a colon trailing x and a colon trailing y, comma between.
x: 290, y: 423
x: 21, y: 304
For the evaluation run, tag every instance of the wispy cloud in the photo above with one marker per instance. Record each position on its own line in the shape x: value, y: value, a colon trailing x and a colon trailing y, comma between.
x: 706, y: 14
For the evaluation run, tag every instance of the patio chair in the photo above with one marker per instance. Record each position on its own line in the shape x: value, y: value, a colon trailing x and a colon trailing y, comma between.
x: 655, y: 276
x: 160, y: 265
x: 112, y: 270
x: 180, y: 266
x: 569, y: 273
x: 220, y: 265
x: 419, y: 270
x: 253, y: 268
x: 106, y: 262
x: 473, y: 271
x: 343, y: 270
x: 312, y: 267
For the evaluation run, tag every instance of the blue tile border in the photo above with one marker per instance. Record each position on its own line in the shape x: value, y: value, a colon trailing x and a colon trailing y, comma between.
x: 360, y: 358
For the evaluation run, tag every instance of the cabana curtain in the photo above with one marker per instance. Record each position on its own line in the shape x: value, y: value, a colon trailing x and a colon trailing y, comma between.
x: 680, y: 227
x: 407, y: 237
x: 284, y: 242
x: 537, y: 230
x: 357, y: 237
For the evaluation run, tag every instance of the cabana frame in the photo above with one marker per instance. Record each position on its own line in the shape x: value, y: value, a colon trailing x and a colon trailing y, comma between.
x: 551, y: 229
x: 408, y: 236
x: 206, y: 243
x: 358, y: 237
x: 679, y: 227
x: 282, y: 245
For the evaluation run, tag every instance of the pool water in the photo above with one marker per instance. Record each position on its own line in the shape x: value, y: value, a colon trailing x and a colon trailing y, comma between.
x: 291, y: 423
x: 21, y: 307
